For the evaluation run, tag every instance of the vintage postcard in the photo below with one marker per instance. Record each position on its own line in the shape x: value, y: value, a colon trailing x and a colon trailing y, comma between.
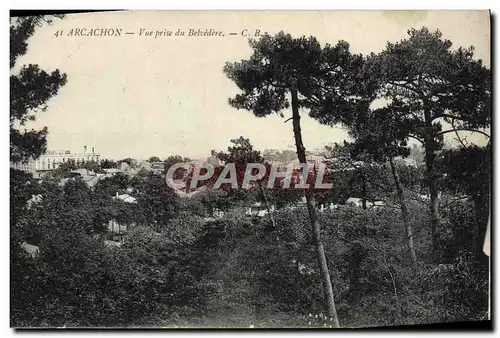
x: 250, y: 169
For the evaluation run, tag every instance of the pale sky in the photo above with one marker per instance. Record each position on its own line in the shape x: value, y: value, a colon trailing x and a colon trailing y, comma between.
x: 137, y: 96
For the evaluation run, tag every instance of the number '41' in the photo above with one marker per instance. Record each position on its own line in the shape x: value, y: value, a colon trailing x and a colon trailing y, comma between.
x: 58, y: 34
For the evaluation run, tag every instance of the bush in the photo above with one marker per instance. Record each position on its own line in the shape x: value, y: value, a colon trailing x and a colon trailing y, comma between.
x: 76, y: 280
x: 242, y: 270
x: 374, y: 282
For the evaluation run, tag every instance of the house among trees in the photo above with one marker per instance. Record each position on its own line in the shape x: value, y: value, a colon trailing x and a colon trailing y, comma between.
x: 258, y: 209
x: 157, y: 167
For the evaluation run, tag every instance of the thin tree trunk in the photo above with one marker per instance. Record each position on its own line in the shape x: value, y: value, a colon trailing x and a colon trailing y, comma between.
x: 301, y: 153
x: 434, y: 212
x: 268, y: 206
x: 430, y: 157
x: 363, y: 180
x: 404, y: 212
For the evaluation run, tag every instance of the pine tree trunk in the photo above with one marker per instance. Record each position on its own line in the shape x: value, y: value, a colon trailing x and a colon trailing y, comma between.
x: 364, y: 193
x: 430, y: 157
x: 434, y: 200
x: 267, y: 204
x: 325, y: 274
x: 404, y: 212
x: 434, y: 213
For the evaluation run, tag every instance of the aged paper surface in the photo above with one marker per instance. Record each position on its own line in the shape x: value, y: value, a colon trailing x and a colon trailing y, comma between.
x: 140, y: 205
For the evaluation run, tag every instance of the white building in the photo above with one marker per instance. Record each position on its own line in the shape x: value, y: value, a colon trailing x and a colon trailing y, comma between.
x: 51, y: 160
x: 258, y: 209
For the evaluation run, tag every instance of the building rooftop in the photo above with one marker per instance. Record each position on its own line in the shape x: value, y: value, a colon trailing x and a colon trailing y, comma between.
x: 32, y: 250
x: 112, y: 170
x: 126, y: 198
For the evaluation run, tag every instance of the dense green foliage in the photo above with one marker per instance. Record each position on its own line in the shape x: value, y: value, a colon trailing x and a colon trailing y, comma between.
x: 236, y: 271
x: 30, y: 89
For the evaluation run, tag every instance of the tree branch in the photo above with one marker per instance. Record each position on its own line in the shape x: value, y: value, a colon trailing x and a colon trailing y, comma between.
x: 459, y: 139
x: 416, y: 138
x: 463, y: 129
x: 405, y: 86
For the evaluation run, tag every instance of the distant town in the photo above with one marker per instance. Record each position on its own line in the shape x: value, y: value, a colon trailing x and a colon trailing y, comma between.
x: 90, y: 167
x: 96, y: 167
